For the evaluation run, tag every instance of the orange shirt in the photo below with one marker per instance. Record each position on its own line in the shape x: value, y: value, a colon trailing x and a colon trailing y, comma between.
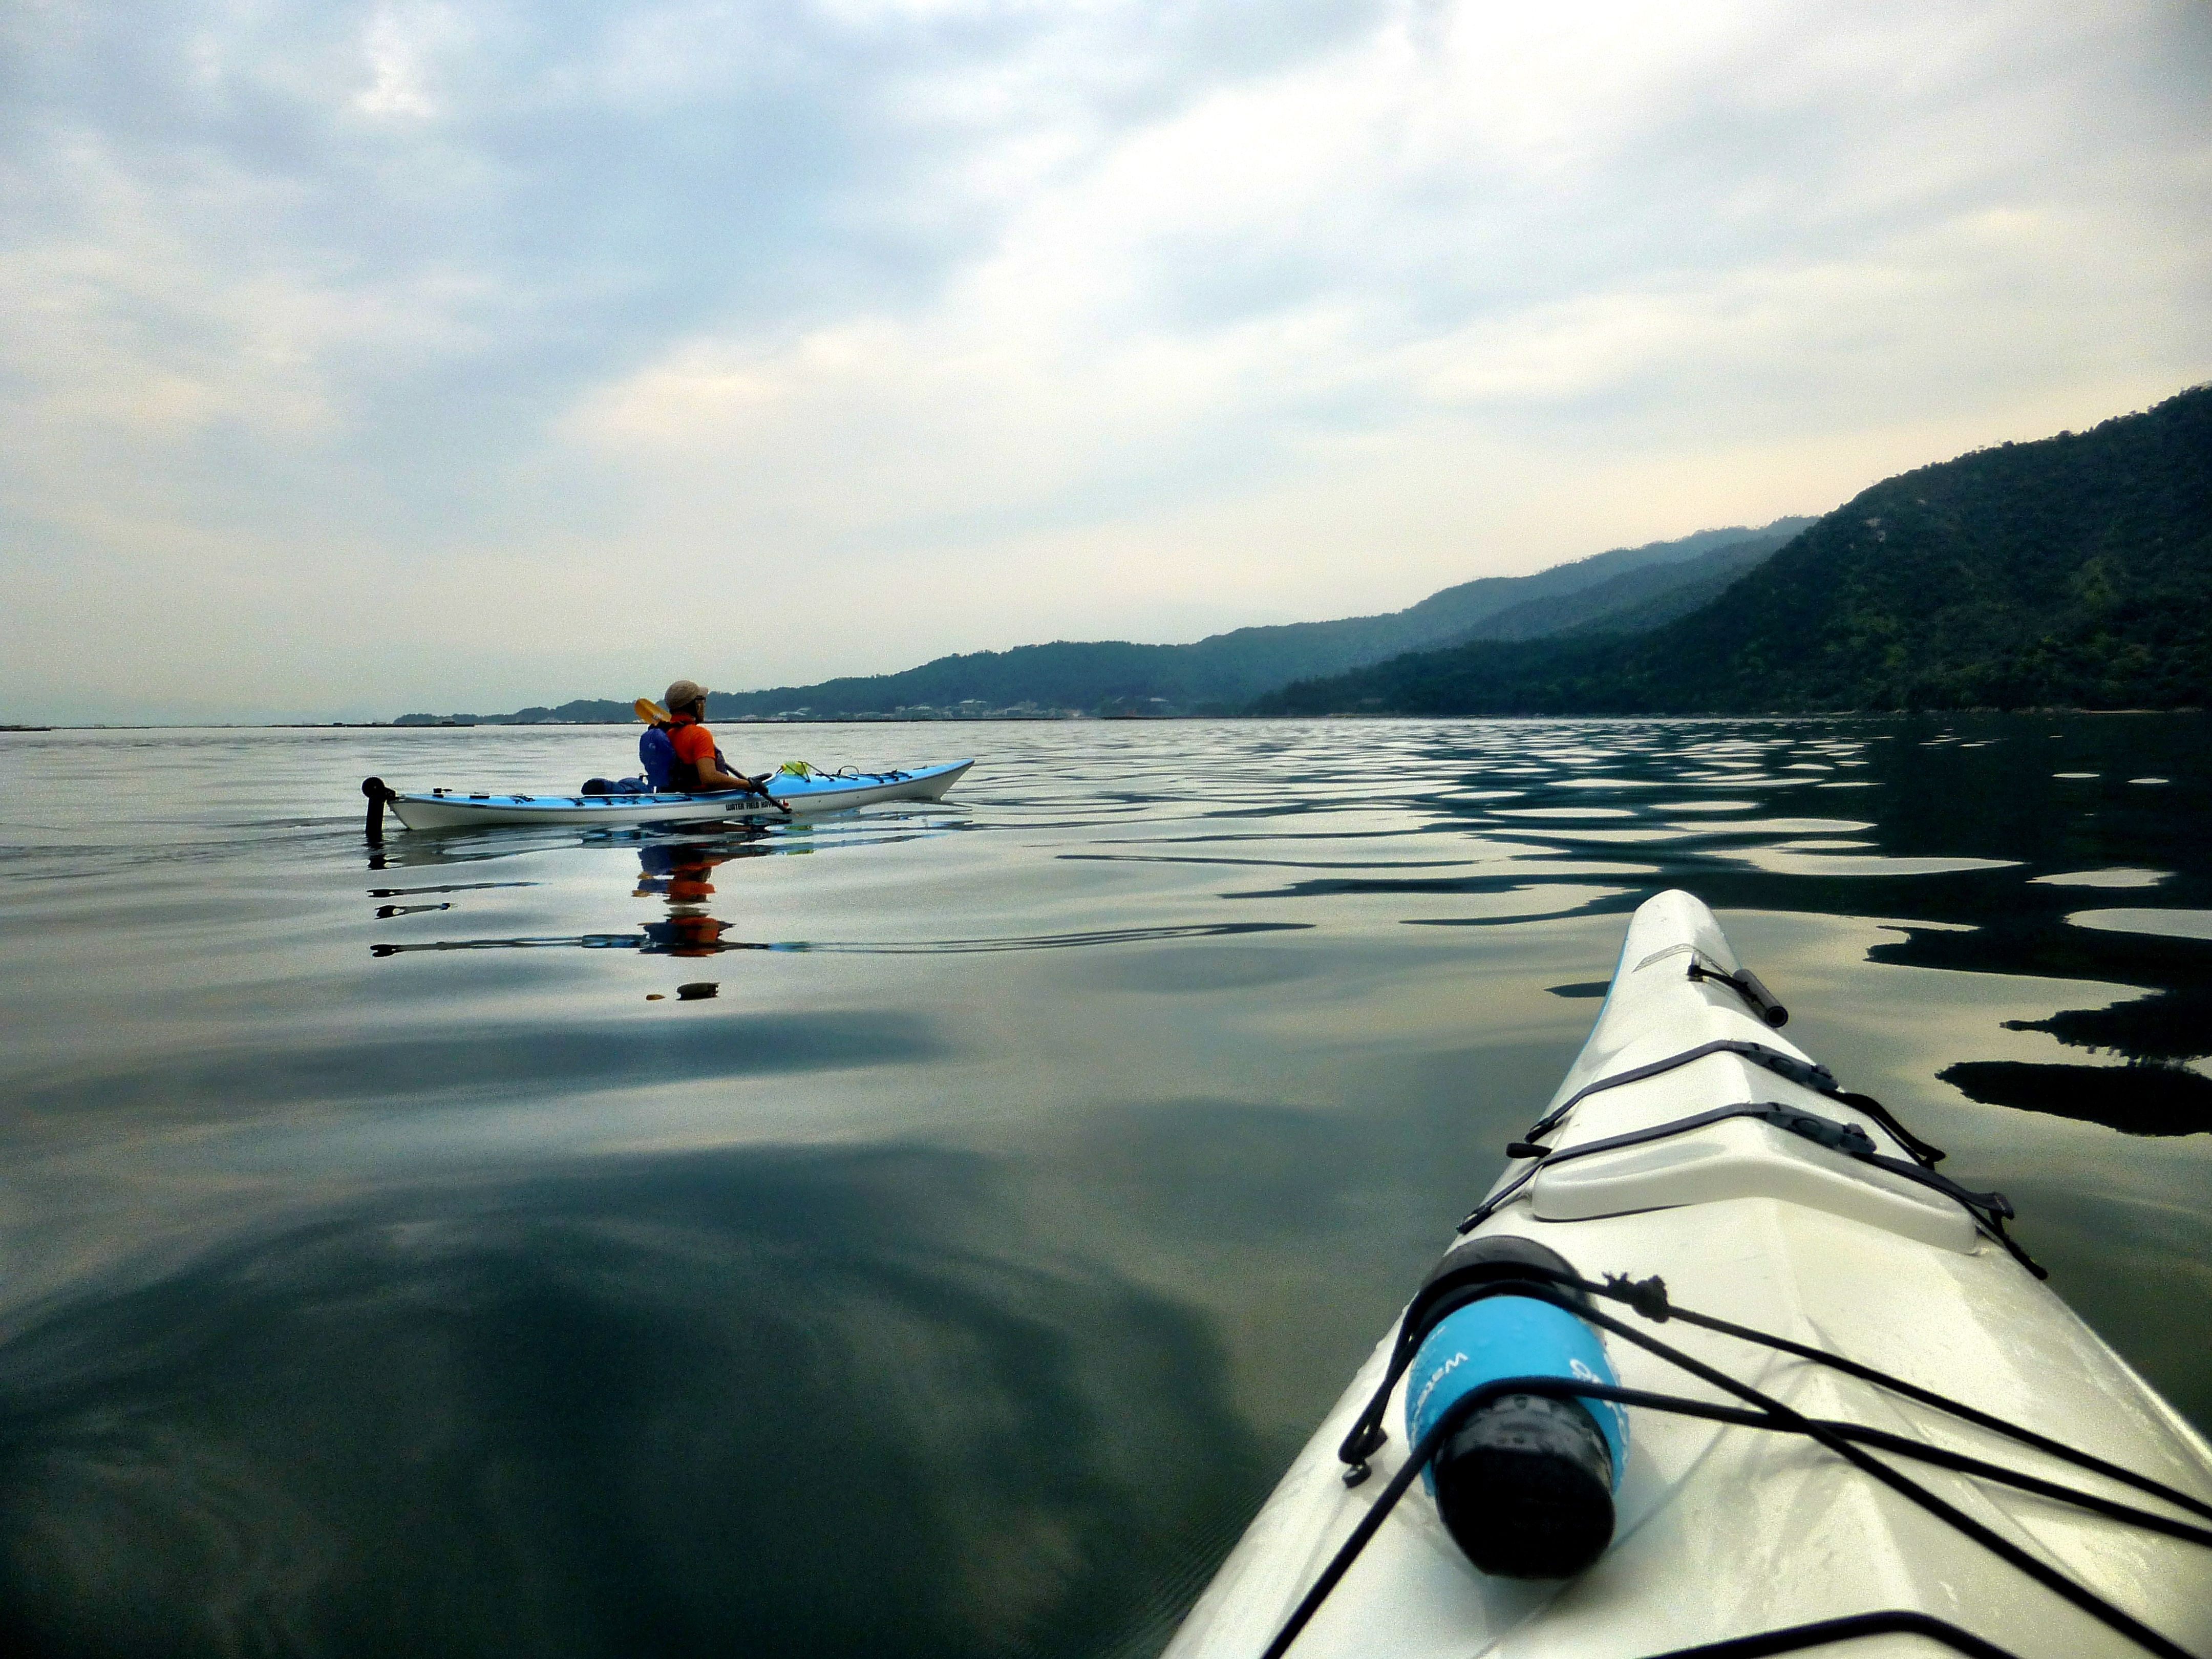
x: 692, y: 742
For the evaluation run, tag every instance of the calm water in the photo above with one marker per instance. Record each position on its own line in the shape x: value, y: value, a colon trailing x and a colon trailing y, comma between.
x: 930, y: 1233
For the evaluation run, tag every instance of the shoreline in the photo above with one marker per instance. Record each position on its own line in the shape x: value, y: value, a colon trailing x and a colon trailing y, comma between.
x: 1072, y: 720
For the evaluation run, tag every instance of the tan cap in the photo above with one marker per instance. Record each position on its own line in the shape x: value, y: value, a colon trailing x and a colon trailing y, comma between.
x: 682, y: 694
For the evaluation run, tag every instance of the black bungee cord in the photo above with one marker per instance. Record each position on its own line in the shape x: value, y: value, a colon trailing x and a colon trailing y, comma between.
x: 1893, y: 1622
x: 1745, y: 1647
x: 1846, y: 1441
x: 1807, y: 1073
x: 1649, y: 1298
x: 1990, y: 1210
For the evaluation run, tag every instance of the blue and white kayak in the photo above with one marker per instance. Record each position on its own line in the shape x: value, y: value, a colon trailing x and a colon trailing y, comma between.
x: 1723, y: 1364
x: 808, y: 795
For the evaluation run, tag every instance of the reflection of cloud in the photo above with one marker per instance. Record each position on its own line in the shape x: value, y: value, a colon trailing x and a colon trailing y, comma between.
x: 2117, y: 876
x: 1779, y: 861
x: 2161, y: 924
x: 635, y: 1409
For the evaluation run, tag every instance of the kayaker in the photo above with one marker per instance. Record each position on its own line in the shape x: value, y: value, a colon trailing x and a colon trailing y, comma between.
x: 699, y: 768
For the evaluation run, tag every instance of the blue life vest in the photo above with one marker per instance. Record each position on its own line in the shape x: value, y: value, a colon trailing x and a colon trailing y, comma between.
x: 658, y: 756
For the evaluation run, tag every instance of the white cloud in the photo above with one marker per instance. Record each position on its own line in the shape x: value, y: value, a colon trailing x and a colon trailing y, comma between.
x: 949, y: 325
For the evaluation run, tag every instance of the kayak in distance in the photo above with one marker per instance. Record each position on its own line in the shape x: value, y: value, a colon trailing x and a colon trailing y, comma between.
x: 794, y: 793
x: 1723, y: 1366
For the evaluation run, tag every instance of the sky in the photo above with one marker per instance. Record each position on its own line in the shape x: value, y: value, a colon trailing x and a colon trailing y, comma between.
x: 358, y: 359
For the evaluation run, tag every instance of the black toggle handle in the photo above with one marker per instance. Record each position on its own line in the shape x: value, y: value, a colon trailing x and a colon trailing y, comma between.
x: 1748, y: 985
x: 378, y: 793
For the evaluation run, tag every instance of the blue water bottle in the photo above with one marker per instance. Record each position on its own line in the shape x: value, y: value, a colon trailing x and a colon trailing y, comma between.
x: 1524, y: 1485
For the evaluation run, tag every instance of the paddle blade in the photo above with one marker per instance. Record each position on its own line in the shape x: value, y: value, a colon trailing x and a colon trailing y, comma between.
x: 650, y: 712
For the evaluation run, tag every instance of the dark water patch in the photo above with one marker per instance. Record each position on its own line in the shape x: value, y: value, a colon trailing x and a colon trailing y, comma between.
x: 688, y: 936
x: 775, y: 1403
x: 2138, y: 1100
x: 1193, y: 969
x: 2170, y: 1021
x: 1581, y: 900
x: 1059, y: 941
x: 2172, y: 1027
x: 1256, y: 863
x: 1228, y: 1171
x: 704, y: 935
x: 1337, y: 886
x: 450, y: 887
x: 505, y: 1060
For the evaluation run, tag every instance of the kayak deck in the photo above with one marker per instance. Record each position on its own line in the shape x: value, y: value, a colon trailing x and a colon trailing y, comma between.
x: 1723, y: 1530
x: 815, y: 792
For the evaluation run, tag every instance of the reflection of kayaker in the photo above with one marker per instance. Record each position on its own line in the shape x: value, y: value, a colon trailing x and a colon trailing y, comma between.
x: 678, y: 873
x: 687, y: 936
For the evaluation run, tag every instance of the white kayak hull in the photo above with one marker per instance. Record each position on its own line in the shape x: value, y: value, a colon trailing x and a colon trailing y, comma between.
x: 809, y: 796
x: 1724, y: 1531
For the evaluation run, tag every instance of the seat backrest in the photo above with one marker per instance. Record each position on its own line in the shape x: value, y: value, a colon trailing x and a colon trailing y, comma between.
x: 658, y: 756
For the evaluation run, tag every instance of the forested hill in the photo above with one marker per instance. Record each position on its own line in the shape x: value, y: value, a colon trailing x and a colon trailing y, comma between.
x: 2074, y: 571
x: 1225, y: 672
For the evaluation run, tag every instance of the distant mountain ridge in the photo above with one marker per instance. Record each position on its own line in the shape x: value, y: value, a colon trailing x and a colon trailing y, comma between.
x: 1638, y: 598
x: 2075, y: 570
x: 1225, y: 672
